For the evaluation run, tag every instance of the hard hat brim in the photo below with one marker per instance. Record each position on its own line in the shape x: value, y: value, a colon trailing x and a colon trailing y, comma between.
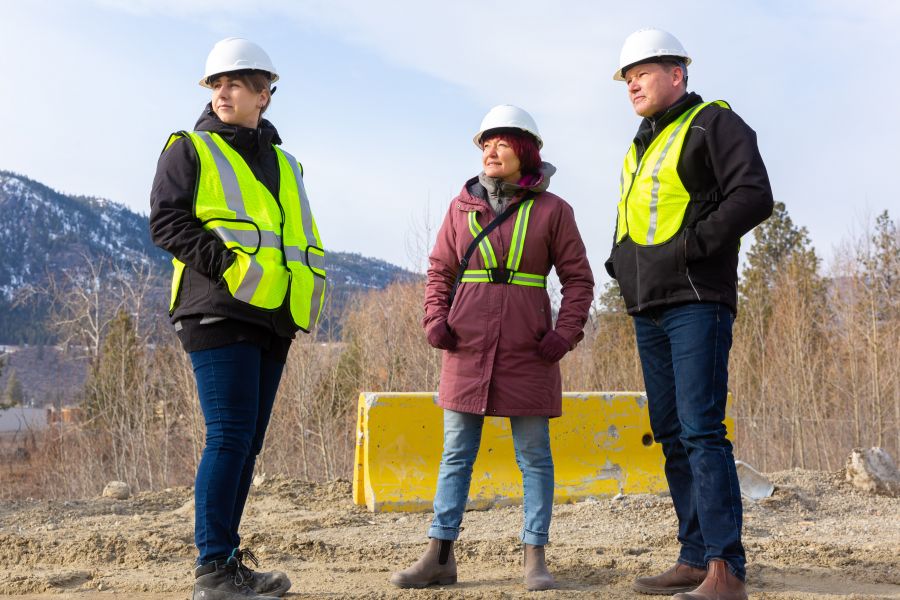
x: 273, y: 77
x: 481, y: 134
x: 618, y: 75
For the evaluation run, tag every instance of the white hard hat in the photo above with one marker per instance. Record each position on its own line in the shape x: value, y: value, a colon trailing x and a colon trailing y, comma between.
x: 237, y: 54
x: 646, y: 44
x: 507, y: 115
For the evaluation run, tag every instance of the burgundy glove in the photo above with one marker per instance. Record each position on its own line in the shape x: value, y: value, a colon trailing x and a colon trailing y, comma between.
x: 441, y: 337
x: 553, y: 347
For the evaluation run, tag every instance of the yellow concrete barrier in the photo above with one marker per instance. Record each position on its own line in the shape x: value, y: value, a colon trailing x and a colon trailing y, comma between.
x: 602, y: 445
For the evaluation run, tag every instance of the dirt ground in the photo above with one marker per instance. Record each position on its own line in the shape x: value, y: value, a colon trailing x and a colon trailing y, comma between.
x: 817, y: 537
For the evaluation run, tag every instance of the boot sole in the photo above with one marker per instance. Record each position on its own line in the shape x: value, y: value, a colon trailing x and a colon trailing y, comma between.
x: 662, y: 591
x: 419, y: 586
x: 540, y: 588
x: 276, y: 593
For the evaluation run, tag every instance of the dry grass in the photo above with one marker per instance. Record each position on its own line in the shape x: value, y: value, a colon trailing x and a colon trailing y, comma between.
x: 815, y: 371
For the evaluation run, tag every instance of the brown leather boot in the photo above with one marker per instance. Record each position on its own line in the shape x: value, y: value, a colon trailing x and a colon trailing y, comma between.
x: 720, y: 584
x: 436, y: 567
x: 680, y: 578
x: 537, y: 577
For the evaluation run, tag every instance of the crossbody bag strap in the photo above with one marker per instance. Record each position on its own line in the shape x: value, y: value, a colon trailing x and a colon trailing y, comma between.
x: 464, y: 262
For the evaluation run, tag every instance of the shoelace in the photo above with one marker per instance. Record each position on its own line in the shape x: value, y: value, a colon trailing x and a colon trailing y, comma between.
x: 243, y: 574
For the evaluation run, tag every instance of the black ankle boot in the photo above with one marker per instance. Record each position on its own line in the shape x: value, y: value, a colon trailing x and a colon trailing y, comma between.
x: 264, y: 583
x: 222, y: 580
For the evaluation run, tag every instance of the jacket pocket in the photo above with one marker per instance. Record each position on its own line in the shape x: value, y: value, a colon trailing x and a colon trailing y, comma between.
x: 236, y: 234
x: 680, y: 250
x: 660, y: 273
x: 624, y: 265
x: 526, y: 319
x: 235, y: 273
x: 610, y: 263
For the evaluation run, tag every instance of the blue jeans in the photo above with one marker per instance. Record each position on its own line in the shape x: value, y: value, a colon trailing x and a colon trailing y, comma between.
x: 684, y: 356
x: 236, y: 384
x: 462, y: 437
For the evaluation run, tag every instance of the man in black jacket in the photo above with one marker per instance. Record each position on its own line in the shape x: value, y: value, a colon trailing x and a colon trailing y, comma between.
x: 692, y: 184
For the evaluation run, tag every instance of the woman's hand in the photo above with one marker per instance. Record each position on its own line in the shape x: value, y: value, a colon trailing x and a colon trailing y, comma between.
x: 441, y: 337
x: 553, y: 347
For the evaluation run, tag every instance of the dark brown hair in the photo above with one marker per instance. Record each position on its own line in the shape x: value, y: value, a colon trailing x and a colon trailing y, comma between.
x: 254, y: 79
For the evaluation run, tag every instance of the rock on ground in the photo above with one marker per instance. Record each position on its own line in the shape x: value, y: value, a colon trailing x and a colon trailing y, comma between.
x: 117, y: 489
x: 873, y: 470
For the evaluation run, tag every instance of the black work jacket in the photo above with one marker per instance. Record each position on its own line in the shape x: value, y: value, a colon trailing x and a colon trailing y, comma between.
x: 204, y: 295
x: 722, y: 170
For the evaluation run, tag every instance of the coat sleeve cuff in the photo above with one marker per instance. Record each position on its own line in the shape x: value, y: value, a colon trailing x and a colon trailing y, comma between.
x: 571, y: 338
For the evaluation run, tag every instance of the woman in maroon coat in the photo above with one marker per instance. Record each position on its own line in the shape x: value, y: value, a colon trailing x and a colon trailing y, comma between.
x: 501, y: 349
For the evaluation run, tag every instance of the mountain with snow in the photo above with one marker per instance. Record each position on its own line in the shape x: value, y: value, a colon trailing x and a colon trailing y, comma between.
x: 45, y: 233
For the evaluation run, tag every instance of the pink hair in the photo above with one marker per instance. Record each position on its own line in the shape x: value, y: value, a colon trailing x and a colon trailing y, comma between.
x: 523, y: 144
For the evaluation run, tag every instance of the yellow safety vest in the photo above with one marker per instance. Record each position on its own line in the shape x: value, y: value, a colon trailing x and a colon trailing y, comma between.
x: 274, y: 254
x: 653, y: 200
x: 492, y: 273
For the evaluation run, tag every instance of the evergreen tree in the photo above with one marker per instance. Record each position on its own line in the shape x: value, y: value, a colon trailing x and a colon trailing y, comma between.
x: 882, y: 266
x: 776, y: 241
x: 114, y: 376
x: 14, y: 394
x: 610, y: 300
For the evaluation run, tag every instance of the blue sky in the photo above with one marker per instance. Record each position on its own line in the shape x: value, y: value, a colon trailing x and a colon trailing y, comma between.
x: 380, y: 100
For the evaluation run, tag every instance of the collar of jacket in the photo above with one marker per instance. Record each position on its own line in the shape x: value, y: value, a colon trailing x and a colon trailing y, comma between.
x: 475, y: 195
x: 245, y: 140
x: 651, y: 126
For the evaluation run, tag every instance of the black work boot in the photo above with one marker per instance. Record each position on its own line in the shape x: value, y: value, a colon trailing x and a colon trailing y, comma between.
x: 222, y: 580
x: 264, y: 583
x: 437, y: 566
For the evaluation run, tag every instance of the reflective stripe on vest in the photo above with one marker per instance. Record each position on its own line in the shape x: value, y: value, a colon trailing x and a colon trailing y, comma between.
x: 303, y: 249
x: 653, y: 200
x: 274, y: 251
x: 491, y: 273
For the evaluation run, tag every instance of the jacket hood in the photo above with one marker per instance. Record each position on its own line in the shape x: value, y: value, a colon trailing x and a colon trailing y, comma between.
x: 475, y: 193
x: 241, y: 138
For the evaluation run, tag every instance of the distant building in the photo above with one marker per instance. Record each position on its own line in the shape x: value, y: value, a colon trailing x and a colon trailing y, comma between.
x: 20, y: 419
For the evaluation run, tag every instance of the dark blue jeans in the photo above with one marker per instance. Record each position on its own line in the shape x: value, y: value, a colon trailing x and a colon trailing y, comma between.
x: 237, y: 385
x: 684, y: 356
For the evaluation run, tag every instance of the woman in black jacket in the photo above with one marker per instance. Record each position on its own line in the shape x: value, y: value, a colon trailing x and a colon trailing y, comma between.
x: 230, y: 206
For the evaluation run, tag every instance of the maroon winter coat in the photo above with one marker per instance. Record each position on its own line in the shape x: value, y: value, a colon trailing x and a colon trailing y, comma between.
x: 496, y: 369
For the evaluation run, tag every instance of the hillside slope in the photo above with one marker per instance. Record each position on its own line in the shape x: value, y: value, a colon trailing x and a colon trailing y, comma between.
x: 44, y: 233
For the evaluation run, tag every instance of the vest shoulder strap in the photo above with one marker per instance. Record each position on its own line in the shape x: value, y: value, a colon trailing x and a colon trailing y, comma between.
x: 718, y: 103
x: 173, y: 138
x: 290, y: 158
